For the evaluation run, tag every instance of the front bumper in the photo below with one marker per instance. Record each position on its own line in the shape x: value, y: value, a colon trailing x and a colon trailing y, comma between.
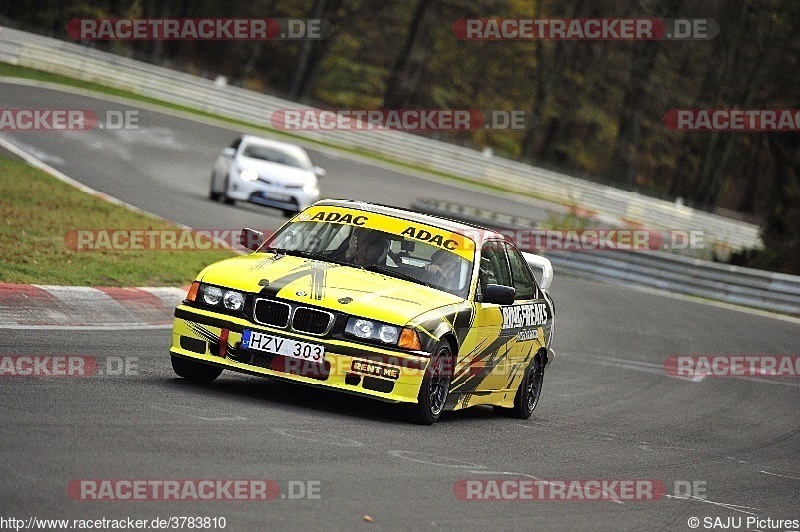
x: 272, y: 195
x: 351, y: 367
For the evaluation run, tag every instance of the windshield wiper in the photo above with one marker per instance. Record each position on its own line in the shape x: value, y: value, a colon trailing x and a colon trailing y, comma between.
x: 394, y: 273
x: 309, y: 255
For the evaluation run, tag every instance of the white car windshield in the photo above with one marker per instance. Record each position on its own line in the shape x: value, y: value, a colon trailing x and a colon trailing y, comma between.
x: 275, y: 155
x: 393, y: 255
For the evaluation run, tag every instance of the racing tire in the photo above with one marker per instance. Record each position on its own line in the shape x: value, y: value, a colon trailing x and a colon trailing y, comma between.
x: 212, y: 194
x: 528, y: 393
x: 194, y: 371
x: 435, y: 387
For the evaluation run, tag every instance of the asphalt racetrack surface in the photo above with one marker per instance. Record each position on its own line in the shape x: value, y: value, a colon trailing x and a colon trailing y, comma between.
x: 724, y: 448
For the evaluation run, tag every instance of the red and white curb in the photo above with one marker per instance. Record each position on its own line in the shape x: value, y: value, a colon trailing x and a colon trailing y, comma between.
x: 83, y: 307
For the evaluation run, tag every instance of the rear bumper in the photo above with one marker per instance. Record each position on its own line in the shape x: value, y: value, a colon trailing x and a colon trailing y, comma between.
x: 348, y: 367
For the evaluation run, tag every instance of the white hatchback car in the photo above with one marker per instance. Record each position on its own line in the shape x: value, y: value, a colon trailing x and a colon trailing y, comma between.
x: 266, y: 172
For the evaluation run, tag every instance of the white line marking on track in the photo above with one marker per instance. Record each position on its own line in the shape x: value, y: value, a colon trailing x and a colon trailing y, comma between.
x: 198, y: 413
x: 321, y: 437
x: 432, y: 459
x: 777, y: 475
x: 734, y: 507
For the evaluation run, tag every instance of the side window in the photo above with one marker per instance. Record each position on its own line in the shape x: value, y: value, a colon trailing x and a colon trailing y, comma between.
x: 494, y: 266
x: 524, y: 282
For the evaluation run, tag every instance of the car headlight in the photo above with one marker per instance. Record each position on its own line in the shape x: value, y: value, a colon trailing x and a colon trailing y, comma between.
x: 248, y: 175
x: 211, y: 295
x: 373, y: 330
x: 311, y: 188
x: 219, y: 297
x: 233, y: 300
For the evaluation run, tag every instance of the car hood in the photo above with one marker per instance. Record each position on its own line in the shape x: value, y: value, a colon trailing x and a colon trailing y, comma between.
x: 323, y: 284
x: 278, y: 173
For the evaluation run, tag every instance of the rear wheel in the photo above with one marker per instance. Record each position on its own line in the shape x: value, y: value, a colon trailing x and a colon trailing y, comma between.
x: 194, y: 371
x: 435, y: 386
x: 528, y: 392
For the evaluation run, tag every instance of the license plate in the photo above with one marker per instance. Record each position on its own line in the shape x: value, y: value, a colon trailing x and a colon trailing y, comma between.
x: 278, y: 345
x: 277, y: 196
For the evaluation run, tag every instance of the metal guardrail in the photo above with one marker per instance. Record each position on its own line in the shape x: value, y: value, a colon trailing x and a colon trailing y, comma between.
x: 59, y: 57
x: 776, y: 292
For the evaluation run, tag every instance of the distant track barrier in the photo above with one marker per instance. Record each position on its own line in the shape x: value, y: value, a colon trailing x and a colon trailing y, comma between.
x: 88, y: 64
x: 654, y: 269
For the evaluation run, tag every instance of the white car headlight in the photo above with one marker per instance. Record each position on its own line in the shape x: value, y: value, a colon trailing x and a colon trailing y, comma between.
x: 220, y: 297
x: 311, y: 188
x: 211, y: 295
x: 248, y: 175
x: 362, y: 328
x: 373, y: 330
x: 388, y: 334
x: 233, y: 300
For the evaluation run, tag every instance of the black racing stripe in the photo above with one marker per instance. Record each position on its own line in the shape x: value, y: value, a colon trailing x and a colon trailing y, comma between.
x: 523, y: 365
x: 311, y: 269
x: 202, y: 331
x: 219, y: 323
x: 469, y: 381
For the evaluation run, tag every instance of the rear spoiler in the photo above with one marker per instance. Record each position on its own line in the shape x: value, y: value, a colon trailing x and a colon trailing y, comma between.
x: 540, y: 263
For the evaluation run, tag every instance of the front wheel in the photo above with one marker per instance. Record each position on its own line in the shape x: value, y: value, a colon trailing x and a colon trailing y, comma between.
x: 195, y: 371
x: 225, y: 198
x: 213, y: 194
x: 435, y: 386
x: 528, y: 393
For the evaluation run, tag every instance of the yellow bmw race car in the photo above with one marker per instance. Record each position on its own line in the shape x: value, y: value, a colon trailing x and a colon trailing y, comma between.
x: 377, y: 301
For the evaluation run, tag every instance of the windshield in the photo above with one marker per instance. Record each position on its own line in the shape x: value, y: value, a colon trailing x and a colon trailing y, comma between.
x: 276, y: 155
x: 394, y: 255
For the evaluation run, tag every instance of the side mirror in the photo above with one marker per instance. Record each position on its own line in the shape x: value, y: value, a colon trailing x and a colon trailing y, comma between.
x: 228, y: 152
x: 251, y: 239
x: 499, y: 294
x: 540, y: 263
x: 320, y: 171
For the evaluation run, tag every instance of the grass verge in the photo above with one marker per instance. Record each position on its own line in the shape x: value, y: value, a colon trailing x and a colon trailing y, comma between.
x: 38, y: 212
